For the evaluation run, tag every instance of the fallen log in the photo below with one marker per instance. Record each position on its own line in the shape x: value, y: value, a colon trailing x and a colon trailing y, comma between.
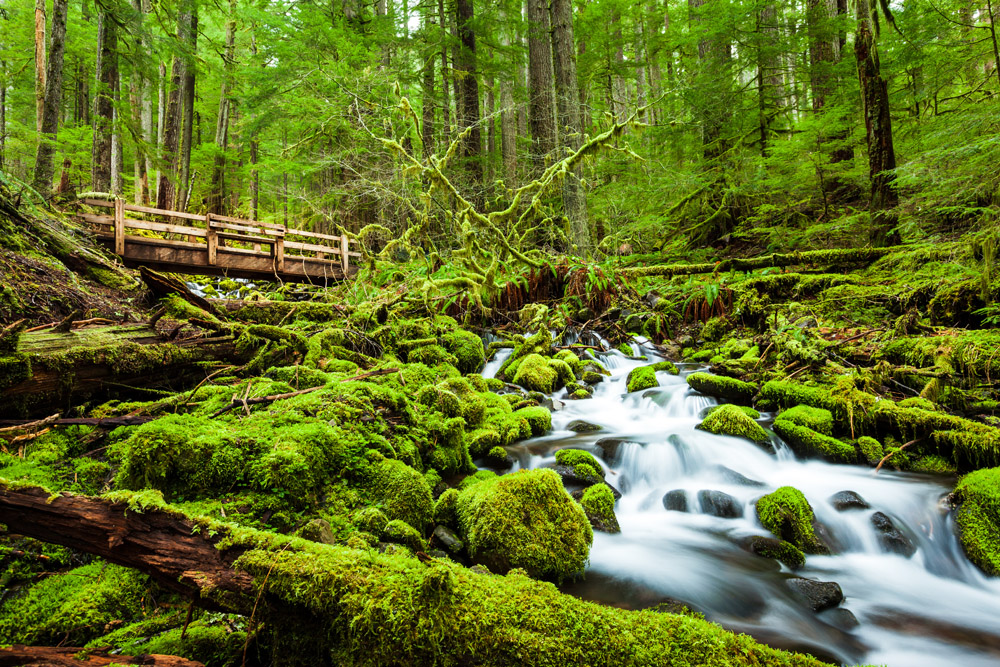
x: 67, y: 656
x: 836, y: 257
x: 363, y: 607
x: 99, y: 422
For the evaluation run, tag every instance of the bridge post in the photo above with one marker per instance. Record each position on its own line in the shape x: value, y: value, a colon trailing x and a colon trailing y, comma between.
x: 213, y: 240
x: 344, y: 259
x: 119, y: 226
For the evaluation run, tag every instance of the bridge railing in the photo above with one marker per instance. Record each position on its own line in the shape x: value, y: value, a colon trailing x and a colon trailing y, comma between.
x: 215, y: 231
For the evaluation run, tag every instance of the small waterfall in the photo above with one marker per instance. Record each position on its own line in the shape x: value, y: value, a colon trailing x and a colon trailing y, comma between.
x: 932, y: 609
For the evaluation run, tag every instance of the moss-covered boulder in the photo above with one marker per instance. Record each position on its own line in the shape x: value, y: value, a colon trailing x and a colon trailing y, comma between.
x: 535, y: 373
x: 817, y: 419
x: 808, y: 442
x: 598, y: 503
x: 870, y: 450
x: 978, y: 517
x: 403, y: 493
x: 726, y: 388
x: 730, y: 420
x: 525, y: 520
x: 748, y: 411
x: 643, y: 377
x: 779, y: 550
x: 789, y: 517
x: 666, y: 367
x: 467, y: 349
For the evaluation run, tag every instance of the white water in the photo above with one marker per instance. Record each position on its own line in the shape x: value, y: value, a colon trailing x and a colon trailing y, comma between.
x: 933, y: 609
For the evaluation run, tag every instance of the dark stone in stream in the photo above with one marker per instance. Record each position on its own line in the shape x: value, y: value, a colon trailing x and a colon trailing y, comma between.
x: 848, y: 500
x: 891, y: 538
x: 580, y: 426
x: 609, y: 448
x: 676, y: 500
x: 840, y: 618
x: 446, y: 539
x: 719, y: 504
x: 685, y: 341
x: 818, y: 595
x: 771, y: 547
x: 578, y: 494
x: 733, y: 477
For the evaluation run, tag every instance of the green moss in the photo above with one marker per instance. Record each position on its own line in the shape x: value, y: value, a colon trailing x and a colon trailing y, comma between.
x: 539, y: 419
x: 870, y: 449
x: 371, y: 520
x: 730, y: 420
x: 72, y: 606
x: 467, y: 348
x: 817, y: 419
x: 403, y: 533
x: 808, y: 442
x: 749, y: 412
x: 643, y: 377
x: 446, y: 509
x: 525, y: 520
x: 715, y: 329
x: 665, y: 366
x: 978, y: 518
x: 538, y: 344
x: 564, y: 372
x: 403, y: 493
x: 599, y: 505
x: 779, y: 550
x: 575, y: 457
x: 789, y: 517
x: 722, y: 387
x: 535, y: 374
x: 476, y: 478
x: 432, y: 355
x: 14, y: 369
x: 570, y: 358
x: 213, y: 639
x: 932, y: 464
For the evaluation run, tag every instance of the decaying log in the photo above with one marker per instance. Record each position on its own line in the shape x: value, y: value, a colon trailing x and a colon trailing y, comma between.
x: 162, y: 285
x: 99, y: 422
x: 845, y: 257
x: 67, y: 656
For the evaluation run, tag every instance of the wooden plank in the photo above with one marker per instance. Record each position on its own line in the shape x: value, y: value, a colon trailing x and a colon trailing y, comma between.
x: 244, y: 228
x: 97, y: 219
x: 164, y: 227
x: 160, y: 211
x: 256, y: 240
x: 241, y: 221
x: 345, y: 253
x: 119, y: 226
x: 213, y: 242
x: 308, y: 247
x: 279, y: 255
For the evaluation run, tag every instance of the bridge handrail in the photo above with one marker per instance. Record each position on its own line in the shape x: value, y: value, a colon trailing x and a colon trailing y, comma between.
x: 218, y: 228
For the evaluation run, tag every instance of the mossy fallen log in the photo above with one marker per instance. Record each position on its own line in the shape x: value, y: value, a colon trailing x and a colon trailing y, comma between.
x: 835, y: 257
x: 68, y: 656
x: 373, y: 608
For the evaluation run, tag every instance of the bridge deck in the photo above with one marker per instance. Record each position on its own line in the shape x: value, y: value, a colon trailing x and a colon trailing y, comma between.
x: 219, y: 245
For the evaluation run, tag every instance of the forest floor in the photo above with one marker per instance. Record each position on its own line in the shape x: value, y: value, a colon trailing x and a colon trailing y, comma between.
x: 323, y: 468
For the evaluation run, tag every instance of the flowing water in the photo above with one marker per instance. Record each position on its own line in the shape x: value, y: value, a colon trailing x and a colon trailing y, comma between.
x: 934, y: 608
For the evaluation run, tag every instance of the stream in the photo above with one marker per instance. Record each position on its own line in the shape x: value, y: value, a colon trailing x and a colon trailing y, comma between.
x: 932, y: 609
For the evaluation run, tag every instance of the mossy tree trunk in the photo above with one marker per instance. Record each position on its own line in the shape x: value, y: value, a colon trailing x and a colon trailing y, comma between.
x: 53, y: 100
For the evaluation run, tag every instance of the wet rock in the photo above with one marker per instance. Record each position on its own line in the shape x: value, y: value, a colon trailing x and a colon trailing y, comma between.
x: 572, y: 477
x: 609, y: 448
x: 770, y: 547
x: 651, y: 298
x: 580, y: 426
x: 840, y: 618
x: 437, y: 553
x: 848, y: 500
x: 676, y: 500
x: 891, y: 538
x: 578, y: 494
x: 817, y: 595
x: 685, y: 341
x: 719, y: 504
x: 733, y: 477
x: 806, y: 322
x: 499, y: 459
x: 446, y: 539
x: 318, y: 530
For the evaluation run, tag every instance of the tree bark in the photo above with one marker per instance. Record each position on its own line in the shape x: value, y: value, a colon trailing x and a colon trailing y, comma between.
x: 770, y: 95
x: 541, y: 116
x: 104, y: 92
x: 44, y: 166
x: 67, y: 656
x: 714, y: 79
x: 570, y: 129
x: 142, y: 105
x: 472, y: 147
x: 878, y: 131
x: 823, y: 47
x: 217, y: 194
x: 445, y: 75
x: 188, y: 34
x: 427, y: 87
x: 40, y: 67
x: 3, y: 115
x: 165, y: 191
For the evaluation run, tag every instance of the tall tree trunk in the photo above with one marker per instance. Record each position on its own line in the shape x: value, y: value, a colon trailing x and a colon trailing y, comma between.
x: 117, y: 152
x: 472, y: 147
x: 570, y: 128
x: 541, y: 116
x: 427, y: 87
x: 53, y: 100
x: 40, y: 87
x: 619, y: 94
x: 161, y: 126
x: 167, y: 187
x: 254, y: 153
x: 104, y: 95
x: 878, y: 130
x: 823, y: 44
x: 188, y: 34
x: 445, y: 75
x: 714, y: 79
x: 3, y: 113
x: 217, y: 194
x: 508, y: 127
x: 142, y: 105
x: 769, y: 89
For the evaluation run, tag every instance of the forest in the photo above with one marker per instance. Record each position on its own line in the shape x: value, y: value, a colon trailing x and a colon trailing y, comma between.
x: 534, y: 332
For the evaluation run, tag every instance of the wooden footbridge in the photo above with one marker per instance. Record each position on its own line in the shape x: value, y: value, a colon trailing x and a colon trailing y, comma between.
x: 219, y: 245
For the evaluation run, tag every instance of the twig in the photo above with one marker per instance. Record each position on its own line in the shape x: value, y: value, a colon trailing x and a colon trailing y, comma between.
x: 889, y: 455
x: 855, y: 337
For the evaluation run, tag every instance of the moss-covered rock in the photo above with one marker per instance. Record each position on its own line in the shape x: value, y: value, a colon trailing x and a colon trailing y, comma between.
x: 525, y: 520
x: 730, y: 420
x: 808, y: 442
x: 749, y: 412
x: 726, y: 388
x: 403, y: 533
x: 978, y: 517
x: 870, y: 449
x: 403, y: 493
x: 446, y: 509
x: 371, y: 520
x: 779, y: 550
x: 666, y: 367
x: 598, y: 503
x: 789, y: 517
x: 535, y: 374
x: 817, y: 419
x: 467, y: 348
x: 643, y: 377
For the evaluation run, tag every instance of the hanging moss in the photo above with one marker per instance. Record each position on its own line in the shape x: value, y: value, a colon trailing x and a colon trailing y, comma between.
x: 808, y: 442
x: 730, y: 420
x: 525, y: 520
x: 789, y: 517
x: 726, y: 388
